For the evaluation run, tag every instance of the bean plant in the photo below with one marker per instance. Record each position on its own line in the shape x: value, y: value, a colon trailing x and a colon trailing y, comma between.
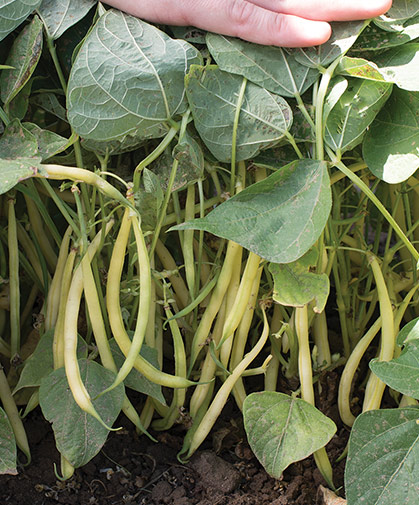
x: 198, y: 218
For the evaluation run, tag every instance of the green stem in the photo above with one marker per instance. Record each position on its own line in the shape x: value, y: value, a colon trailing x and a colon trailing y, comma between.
x: 321, y: 95
x: 4, y: 117
x: 239, y: 104
x: 14, y: 284
x: 154, y: 155
x: 367, y: 191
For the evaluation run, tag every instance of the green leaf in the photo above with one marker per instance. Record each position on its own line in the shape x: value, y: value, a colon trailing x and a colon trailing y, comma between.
x: 276, y: 158
x: 13, y: 13
x: 49, y: 102
x: 19, y: 159
x: 278, y: 218
x: 59, y: 15
x: 149, y: 199
x: 400, y: 65
x: 408, y: 333
x: 8, y: 452
x: 212, y: 95
x: 191, y: 161
x: 400, y: 11
x: 19, y: 105
x: 270, y: 67
x: 79, y: 436
x: 135, y: 380
x: 190, y: 33
x: 282, y: 430
x: 190, y: 167
x: 49, y: 143
x: 391, y: 145
x: 359, y: 67
x: 344, y: 35
x: 41, y: 362
x: 112, y: 147
x: 337, y: 87
x: 402, y: 373
x: 374, y: 39
x: 295, y: 285
x: 354, y: 112
x: 383, y: 457
x: 24, y: 57
x: 128, y: 76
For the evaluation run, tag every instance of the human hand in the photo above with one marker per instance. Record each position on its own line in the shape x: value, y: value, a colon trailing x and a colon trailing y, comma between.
x: 288, y: 23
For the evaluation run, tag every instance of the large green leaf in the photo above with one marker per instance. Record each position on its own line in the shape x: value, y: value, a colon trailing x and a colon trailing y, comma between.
x: 343, y: 37
x: 391, y: 145
x: 383, y: 458
x: 282, y: 430
x: 296, y: 285
x: 212, y: 95
x: 402, y: 373
x: 41, y: 362
x: 128, y: 76
x: 13, y: 13
x: 354, y: 112
x: 8, y: 450
x: 79, y: 436
x: 401, y: 66
x: 19, y: 157
x: 270, y: 67
x: 278, y: 218
x: 59, y: 15
x: 23, y: 57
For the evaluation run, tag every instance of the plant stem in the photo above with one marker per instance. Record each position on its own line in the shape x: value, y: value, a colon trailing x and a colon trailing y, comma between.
x: 367, y: 191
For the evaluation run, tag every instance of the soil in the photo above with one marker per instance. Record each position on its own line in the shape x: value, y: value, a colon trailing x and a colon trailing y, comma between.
x: 131, y: 469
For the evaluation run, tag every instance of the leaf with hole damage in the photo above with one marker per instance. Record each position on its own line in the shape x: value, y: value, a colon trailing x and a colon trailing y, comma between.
x: 213, y: 97
x: 127, y: 77
x: 282, y: 430
x: 391, y: 145
x: 79, y: 436
x: 383, y: 457
x: 278, y: 218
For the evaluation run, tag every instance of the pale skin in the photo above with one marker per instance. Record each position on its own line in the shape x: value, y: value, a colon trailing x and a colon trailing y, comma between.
x: 288, y: 23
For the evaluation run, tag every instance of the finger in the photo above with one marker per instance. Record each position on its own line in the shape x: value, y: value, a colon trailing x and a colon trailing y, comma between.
x: 238, y: 18
x: 327, y: 10
x: 243, y: 19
